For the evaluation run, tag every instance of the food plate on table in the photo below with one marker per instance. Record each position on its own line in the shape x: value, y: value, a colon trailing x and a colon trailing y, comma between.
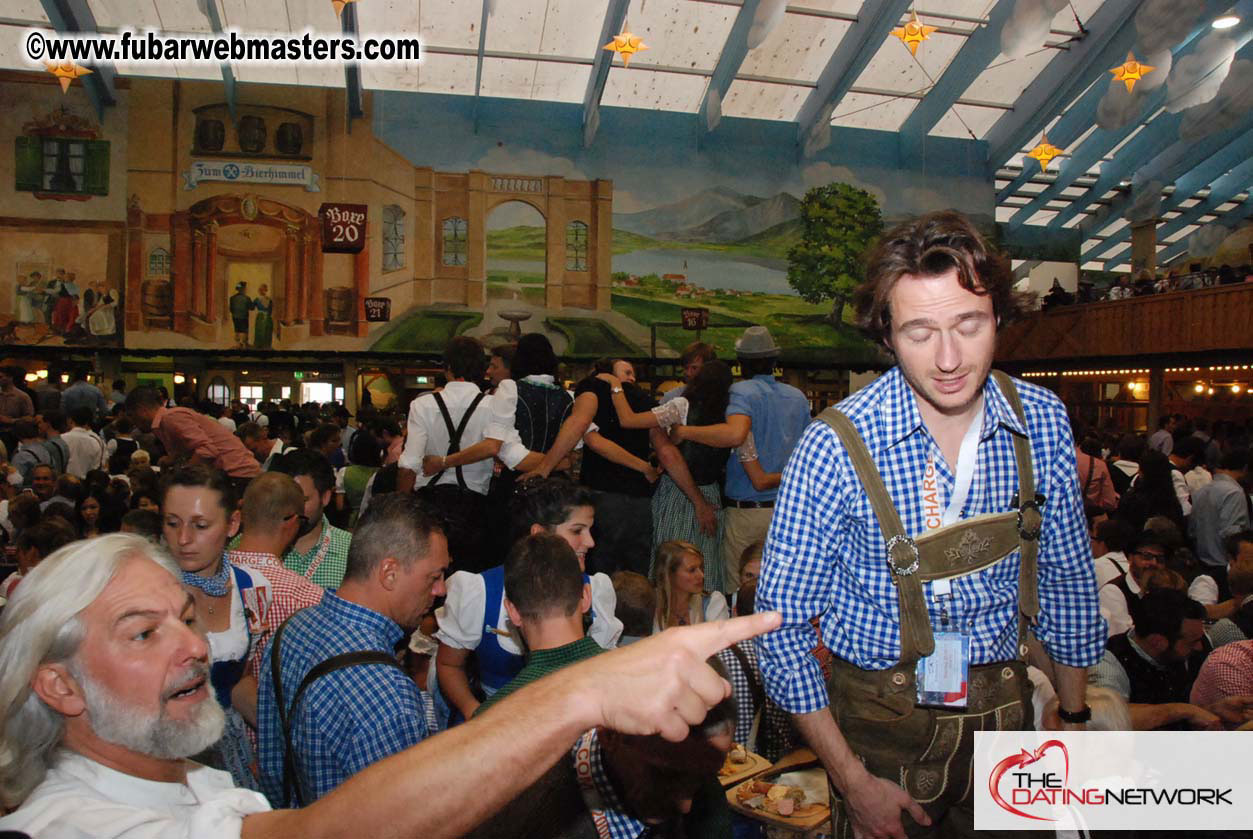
x: 741, y: 764
x: 797, y: 799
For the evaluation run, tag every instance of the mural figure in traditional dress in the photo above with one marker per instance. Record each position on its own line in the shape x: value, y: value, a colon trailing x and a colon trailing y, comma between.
x: 263, y: 329
x: 241, y: 305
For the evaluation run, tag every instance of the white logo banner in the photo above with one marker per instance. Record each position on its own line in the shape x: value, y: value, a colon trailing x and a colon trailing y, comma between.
x: 1113, y: 780
x: 278, y: 174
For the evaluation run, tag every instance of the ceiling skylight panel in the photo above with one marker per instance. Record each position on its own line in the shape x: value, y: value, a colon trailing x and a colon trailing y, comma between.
x: 447, y: 74
x: 451, y: 23
x: 649, y: 89
x: 869, y: 110
x: 761, y: 100
x: 572, y: 27
x: 516, y: 26
x: 560, y: 82
x: 893, y: 68
x: 680, y: 33
x: 798, y: 49
x: 507, y: 78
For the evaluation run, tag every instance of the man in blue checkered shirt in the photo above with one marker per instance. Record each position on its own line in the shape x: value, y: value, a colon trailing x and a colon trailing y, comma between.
x: 352, y: 717
x: 940, y: 433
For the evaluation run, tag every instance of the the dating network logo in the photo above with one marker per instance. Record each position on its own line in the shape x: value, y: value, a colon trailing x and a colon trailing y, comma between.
x: 1026, y: 788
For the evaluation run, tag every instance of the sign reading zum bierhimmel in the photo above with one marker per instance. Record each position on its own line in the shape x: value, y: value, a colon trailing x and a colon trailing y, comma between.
x: 277, y: 174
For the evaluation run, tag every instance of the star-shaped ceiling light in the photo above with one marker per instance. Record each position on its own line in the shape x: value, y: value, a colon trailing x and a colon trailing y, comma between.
x: 626, y: 45
x: 66, y: 72
x: 339, y: 5
x: 1045, y: 152
x: 1131, y: 71
x: 913, y: 33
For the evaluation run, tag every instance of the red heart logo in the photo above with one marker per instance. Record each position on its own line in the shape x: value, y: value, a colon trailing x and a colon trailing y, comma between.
x: 1025, y: 758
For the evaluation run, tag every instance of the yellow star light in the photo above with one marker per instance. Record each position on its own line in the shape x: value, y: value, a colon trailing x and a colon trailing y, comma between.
x: 66, y: 72
x: 626, y: 45
x: 913, y: 33
x: 339, y: 6
x: 1045, y: 152
x: 1131, y: 71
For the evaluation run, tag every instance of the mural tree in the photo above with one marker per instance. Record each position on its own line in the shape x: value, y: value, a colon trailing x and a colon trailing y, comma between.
x: 838, y: 223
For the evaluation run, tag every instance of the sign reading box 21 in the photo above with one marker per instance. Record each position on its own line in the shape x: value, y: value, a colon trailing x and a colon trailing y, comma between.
x: 1113, y: 780
x: 343, y: 227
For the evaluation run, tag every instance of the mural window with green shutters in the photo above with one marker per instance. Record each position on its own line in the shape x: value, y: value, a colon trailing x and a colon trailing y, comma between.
x: 62, y: 165
x: 455, y: 248
x: 576, y: 246
x: 393, y: 238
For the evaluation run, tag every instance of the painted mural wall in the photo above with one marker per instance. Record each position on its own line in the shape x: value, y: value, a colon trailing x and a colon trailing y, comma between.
x: 481, y: 218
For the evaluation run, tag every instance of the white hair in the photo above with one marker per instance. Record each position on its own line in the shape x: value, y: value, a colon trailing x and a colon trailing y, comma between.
x: 41, y: 625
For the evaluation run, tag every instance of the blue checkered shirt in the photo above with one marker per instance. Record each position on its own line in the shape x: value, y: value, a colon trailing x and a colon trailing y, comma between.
x: 825, y: 554
x: 349, y: 718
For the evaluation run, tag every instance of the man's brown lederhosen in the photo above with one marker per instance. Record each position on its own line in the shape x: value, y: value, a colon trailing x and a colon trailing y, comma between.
x: 929, y: 751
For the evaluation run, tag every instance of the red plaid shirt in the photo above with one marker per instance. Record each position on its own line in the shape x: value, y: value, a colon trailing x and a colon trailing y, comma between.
x: 278, y: 594
x: 1228, y: 671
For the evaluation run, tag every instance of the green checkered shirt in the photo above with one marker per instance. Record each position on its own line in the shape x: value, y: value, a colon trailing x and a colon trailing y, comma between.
x: 330, y: 573
x: 542, y: 662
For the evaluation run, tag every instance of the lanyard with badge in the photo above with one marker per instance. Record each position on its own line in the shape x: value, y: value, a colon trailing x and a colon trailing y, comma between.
x: 943, y: 677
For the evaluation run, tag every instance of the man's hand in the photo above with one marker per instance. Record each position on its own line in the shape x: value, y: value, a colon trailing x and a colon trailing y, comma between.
x: 1199, y: 718
x: 537, y: 474
x: 707, y: 518
x: 432, y: 464
x: 660, y: 685
x: 874, y: 806
x: 653, y: 474
x: 1234, y: 710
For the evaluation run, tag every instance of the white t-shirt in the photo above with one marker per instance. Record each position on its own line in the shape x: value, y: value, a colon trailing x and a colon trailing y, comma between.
x: 1110, y: 565
x: 80, y: 798
x: 461, y: 616
x: 716, y: 609
x: 1114, y: 606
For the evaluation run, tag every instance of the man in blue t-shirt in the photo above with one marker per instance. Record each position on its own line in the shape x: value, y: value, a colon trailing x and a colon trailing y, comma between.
x: 776, y: 414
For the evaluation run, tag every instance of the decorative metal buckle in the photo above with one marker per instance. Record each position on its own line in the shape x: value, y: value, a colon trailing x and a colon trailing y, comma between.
x: 913, y: 566
x: 1034, y: 504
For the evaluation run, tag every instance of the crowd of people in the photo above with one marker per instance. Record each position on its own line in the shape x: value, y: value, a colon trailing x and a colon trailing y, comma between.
x: 334, y: 615
x: 1145, y: 283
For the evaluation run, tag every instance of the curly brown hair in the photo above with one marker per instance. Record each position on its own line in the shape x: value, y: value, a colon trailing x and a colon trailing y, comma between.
x: 929, y: 246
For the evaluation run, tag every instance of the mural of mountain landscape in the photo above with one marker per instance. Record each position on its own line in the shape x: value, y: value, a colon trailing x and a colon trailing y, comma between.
x: 718, y: 249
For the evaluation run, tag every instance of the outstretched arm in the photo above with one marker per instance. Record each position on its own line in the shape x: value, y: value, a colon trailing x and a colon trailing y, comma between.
x: 660, y: 685
x: 723, y: 435
x: 676, y: 467
x: 614, y: 453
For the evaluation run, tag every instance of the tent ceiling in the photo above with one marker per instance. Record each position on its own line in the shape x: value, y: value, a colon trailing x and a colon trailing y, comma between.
x: 544, y: 50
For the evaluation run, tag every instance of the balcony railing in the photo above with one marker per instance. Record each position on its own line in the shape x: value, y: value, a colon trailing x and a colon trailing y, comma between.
x: 1199, y: 320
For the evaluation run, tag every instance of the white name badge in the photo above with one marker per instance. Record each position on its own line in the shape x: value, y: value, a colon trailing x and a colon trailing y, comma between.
x: 943, y: 677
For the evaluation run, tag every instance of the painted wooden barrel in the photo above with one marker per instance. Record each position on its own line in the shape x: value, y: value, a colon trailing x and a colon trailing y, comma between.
x: 252, y: 134
x: 290, y: 138
x: 210, y: 135
x: 157, y: 303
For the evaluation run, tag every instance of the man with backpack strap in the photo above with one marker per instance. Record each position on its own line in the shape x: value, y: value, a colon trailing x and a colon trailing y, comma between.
x: 443, y: 423
x: 332, y: 699
x: 926, y: 522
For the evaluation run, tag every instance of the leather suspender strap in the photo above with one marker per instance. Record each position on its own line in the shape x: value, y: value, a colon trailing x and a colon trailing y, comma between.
x: 1029, y: 516
x: 902, y: 553
x: 292, y: 791
x: 454, y: 434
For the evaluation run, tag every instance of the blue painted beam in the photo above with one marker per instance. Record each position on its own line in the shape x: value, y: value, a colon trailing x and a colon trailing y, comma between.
x: 1111, y: 32
x: 1166, y: 167
x: 1099, y: 142
x: 979, y: 50
x: 210, y: 9
x: 875, y: 22
x: 478, y: 68
x: 1188, y: 184
x: 1234, y: 215
x: 76, y: 16
x: 615, y: 18
x: 1155, y: 135
x: 354, y: 94
x: 734, y: 51
x: 1222, y: 190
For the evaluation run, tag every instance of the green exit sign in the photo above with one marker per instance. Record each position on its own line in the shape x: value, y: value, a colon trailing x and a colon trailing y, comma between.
x: 298, y: 375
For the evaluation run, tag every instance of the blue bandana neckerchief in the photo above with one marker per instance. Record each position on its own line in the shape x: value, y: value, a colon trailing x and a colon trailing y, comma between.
x: 216, y: 586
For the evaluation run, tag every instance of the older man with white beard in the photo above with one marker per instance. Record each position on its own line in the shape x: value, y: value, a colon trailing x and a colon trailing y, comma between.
x: 104, y: 693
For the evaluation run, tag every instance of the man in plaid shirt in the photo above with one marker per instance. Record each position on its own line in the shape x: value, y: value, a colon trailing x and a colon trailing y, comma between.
x: 937, y: 428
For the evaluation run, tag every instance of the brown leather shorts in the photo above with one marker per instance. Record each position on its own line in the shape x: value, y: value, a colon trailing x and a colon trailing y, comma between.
x: 928, y: 751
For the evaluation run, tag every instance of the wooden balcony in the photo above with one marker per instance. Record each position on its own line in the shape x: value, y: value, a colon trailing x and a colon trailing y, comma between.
x: 1196, y: 321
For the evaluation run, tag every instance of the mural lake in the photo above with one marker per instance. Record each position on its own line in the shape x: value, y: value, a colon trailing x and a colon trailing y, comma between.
x: 707, y: 269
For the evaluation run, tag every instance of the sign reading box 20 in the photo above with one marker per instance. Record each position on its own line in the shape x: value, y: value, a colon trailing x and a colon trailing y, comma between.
x: 343, y: 227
